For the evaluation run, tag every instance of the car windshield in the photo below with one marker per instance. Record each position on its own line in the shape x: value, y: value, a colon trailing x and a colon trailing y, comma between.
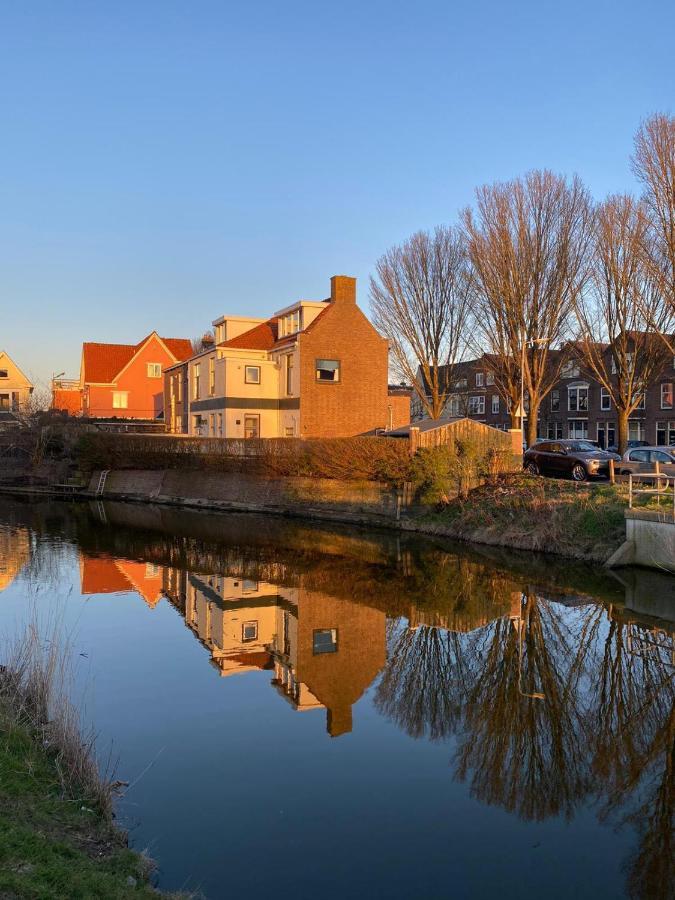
x: 581, y: 445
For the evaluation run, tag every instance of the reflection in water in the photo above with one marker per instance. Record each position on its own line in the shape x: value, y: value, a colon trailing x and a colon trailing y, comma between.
x: 15, y: 552
x: 556, y: 690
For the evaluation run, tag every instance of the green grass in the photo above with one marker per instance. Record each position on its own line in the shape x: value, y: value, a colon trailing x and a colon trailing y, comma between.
x: 53, y: 845
x: 579, y: 520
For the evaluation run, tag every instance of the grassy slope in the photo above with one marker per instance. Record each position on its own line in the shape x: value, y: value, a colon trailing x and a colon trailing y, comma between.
x: 51, y: 846
x: 585, y: 521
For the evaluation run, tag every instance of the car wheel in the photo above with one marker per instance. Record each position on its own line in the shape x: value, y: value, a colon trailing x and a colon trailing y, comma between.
x: 579, y: 473
x: 531, y: 468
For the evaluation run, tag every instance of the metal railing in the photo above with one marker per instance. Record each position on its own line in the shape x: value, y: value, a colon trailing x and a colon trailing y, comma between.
x: 660, y: 485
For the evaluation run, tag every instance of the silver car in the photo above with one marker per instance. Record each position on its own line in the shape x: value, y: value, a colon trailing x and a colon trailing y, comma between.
x: 643, y: 458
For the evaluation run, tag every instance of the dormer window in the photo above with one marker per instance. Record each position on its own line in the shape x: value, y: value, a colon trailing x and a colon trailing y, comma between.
x: 291, y: 323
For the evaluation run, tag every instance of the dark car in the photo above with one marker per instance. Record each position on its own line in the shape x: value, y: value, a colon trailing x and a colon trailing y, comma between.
x: 629, y: 445
x: 580, y: 459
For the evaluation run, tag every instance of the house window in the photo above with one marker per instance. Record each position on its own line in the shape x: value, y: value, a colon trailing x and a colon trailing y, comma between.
x: 195, y: 382
x: 489, y: 378
x: 212, y: 424
x: 220, y: 424
x: 605, y: 399
x: 554, y: 431
x: 179, y: 387
x: 120, y: 399
x: 152, y: 570
x: 460, y: 384
x: 667, y: 395
x: 154, y: 370
x: 577, y: 398
x: 641, y: 402
x: 665, y: 434
x: 495, y: 404
x: 251, y: 427
x: 607, y: 434
x: 212, y: 376
x: 4, y: 373
x: 324, y: 640
x: 289, y: 374
x: 197, y: 424
x: 249, y: 631
x: 249, y: 587
x: 4, y: 401
x: 578, y: 429
x: 477, y: 406
x: 555, y: 401
x: 328, y: 370
x: 636, y: 430
x: 570, y: 370
x: 252, y: 375
x: 479, y: 379
x: 289, y: 431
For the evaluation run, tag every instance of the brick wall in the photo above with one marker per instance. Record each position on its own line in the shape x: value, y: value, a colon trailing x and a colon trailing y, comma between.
x: 359, y: 401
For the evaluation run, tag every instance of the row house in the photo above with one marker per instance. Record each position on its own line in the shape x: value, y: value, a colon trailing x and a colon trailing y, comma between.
x: 578, y: 407
x: 314, y: 369
x: 15, y: 391
x: 122, y: 381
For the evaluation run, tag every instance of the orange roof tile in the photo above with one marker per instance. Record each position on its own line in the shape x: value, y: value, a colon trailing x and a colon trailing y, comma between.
x: 102, y: 362
x: 261, y: 337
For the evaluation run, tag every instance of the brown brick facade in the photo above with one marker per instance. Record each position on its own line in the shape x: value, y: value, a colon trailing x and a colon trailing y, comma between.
x: 359, y: 401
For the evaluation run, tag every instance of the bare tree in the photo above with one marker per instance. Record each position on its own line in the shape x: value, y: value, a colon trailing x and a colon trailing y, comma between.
x: 420, y: 303
x: 654, y: 164
x: 621, y: 308
x: 528, y: 246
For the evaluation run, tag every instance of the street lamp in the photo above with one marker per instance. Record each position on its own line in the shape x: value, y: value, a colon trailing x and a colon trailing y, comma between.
x: 534, y: 695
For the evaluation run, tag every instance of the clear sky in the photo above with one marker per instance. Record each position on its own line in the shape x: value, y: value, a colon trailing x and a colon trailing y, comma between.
x: 162, y: 163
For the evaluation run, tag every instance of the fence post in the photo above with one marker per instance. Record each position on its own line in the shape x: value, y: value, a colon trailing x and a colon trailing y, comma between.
x: 612, y: 479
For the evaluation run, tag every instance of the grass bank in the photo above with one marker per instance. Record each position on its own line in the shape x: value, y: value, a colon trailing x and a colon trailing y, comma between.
x: 582, y: 521
x: 57, y: 834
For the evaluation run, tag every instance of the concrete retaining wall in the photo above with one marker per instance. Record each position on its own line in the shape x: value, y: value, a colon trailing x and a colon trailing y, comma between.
x: 322, y: 497
x: 650, y: 541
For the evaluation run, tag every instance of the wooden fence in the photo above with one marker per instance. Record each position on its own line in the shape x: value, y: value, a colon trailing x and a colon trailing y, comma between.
x: 483, y: 436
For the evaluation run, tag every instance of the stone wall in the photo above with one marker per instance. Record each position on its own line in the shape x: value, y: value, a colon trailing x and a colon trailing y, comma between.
x: 365, y: 501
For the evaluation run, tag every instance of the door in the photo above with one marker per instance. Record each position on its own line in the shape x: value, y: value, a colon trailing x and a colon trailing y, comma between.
x: 558, y: 462
x: 251, y: 427
x: 601, y: 436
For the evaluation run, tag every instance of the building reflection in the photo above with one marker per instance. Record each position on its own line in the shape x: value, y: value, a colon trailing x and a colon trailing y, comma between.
x: 15, y: 553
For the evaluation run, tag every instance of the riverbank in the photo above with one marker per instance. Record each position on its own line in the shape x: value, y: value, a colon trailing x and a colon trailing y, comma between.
x: 523, y: 512
x: 57, y: 833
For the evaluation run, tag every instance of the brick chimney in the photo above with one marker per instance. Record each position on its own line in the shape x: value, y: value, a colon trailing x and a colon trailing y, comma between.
x: 343, y: 289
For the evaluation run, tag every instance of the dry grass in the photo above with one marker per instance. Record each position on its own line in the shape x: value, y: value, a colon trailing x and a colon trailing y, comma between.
x: 34, y: 685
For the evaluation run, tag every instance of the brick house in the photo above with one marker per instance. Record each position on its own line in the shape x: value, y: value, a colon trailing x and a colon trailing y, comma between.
x: 15, y: 391
x: 122, y: 380
x: 314, y: 369
x: 577, y: 407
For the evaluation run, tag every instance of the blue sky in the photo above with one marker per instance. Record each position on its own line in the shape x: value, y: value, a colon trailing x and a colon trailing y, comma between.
x: 162, y: 163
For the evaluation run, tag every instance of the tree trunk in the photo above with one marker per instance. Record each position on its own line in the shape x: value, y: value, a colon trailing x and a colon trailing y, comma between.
x: 532, y: 422
x: 622, y: 430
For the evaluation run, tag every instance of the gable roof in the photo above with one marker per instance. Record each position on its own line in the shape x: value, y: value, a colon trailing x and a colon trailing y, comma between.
x: 6, y: 356
x: 101, y: 363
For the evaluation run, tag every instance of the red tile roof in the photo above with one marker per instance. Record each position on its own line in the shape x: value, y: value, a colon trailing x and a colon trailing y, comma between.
x: 103, y: 362
x: 266, y: 335
x: 260, y: 337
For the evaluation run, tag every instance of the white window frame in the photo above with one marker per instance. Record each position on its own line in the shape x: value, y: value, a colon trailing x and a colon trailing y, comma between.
x: 479, y: 401
x: 573, y: 390
x: 495, y: 404
x: 479, y: 379
x: 573, y: 428
x: 605, y: 395
x: 490, y: 379
x: 669, y: 386
x: 247, y: 379
x: 120, y: 399
x: 154, y: 370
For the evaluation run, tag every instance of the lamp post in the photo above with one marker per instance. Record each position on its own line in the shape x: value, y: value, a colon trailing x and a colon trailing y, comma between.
x: 534, y: 695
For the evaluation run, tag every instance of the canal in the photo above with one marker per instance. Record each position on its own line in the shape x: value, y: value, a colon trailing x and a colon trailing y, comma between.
x: 320, y: 712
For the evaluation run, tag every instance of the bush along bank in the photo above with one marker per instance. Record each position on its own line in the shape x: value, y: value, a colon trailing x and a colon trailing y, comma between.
x: 581, y: 521
x: 57, y: 834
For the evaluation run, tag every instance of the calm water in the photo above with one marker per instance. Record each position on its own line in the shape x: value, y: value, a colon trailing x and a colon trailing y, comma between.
x: 316, y: 713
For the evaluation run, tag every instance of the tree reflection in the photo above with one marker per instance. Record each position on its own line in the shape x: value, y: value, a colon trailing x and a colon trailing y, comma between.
x: 521, y: 750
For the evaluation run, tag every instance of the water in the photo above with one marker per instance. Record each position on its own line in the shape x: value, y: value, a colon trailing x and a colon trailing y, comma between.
x: 315, y: 712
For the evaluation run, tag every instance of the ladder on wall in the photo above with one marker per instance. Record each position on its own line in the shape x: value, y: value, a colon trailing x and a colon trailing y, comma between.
x: 103, y: 477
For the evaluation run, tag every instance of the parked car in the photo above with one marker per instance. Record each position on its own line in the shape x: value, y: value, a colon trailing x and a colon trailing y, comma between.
x: 629, y: 445
x: 644, y: 458
x: 580, y: 459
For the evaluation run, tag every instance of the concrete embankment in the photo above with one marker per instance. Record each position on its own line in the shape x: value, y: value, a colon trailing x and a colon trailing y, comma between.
x: 650, y: 541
